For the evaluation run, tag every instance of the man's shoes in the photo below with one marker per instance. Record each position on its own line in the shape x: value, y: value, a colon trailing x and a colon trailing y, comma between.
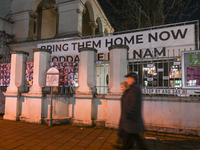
x: 115, y: 146
x: 118, y: 144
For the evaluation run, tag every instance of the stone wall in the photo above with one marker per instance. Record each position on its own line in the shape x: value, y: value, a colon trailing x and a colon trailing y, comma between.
x: 164, y: 114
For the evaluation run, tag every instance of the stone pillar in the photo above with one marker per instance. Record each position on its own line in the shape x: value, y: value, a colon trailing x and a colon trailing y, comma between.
x: 87, y: 78
x: 21, y: 23
x: 17, y: 84
x: 118, y: 67
x: 93, y: 26
x: 42, y: 58
x: 70, y: 26
x: 83, y: 105
x: 35, y: 104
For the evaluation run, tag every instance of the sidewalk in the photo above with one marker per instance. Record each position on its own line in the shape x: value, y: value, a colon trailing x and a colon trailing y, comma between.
x: 18, y: 135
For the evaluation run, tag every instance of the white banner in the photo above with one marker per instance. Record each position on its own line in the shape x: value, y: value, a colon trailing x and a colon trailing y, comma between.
x: 142, y: 44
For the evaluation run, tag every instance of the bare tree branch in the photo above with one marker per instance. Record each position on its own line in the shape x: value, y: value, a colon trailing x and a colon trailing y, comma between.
x: 133, y: 14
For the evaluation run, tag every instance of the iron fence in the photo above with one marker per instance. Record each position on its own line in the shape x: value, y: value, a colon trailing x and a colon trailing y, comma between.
x: 156, y: 72
x: 102, y: 76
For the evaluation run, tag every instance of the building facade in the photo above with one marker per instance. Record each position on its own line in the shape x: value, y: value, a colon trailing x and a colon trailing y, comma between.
x: 34, y: 26
x: 31, y: 22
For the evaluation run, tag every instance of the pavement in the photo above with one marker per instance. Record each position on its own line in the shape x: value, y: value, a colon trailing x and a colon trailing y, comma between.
x: 19, y: 135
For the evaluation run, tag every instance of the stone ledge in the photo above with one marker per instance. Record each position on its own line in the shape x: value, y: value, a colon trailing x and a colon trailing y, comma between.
x: 70, y: 35
x: 114, y: 125
x: 87, y: 49
x: 81, y: 122
x: 118, y: 46
x: 19, y: 52
x: 82, y: 95
x: 32, y: 120
x: 116, y: 96
x: 10, y: 94
x: 173, y: 129
x: 33, y: 95
x: 10, y: 117
x: 62, y: 120
x: 41, y: 50
x: 100, y: 123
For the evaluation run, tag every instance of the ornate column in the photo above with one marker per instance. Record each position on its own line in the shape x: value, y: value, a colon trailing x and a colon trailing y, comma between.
x: 118, y: 67
x: 17, y: 84
x: 18, y: 72
x: 87, y: 66
x: 42, y: 58
x: 87, y: 82
x: 35, y: 104
x: 93, y: 26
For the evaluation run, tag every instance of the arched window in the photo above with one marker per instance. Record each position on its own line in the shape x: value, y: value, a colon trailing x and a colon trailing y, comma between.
x: 46, y: 23
x: 86, y: 30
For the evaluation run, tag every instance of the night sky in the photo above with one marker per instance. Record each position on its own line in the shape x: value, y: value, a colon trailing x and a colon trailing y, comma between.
x: 115, y: 19
x: 196, y: 15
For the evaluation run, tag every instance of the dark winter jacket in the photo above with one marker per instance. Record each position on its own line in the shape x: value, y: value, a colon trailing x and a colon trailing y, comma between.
x: 131, y: 105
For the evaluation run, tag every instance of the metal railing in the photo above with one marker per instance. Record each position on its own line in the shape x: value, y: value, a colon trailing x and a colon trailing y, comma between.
x: 160, y: 73
x: 102, y: 76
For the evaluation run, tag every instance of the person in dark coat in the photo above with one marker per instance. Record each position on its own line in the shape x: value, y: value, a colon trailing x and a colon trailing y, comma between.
x: 131, y: 119
x: 124, y: 87
x: 119, y: 143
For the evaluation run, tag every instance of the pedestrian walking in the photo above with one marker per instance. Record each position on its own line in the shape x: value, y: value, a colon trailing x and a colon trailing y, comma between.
x: 119, y: 143
x: 131, y: 119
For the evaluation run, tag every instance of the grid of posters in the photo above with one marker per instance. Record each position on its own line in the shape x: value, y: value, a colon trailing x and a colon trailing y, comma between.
x: 29, y: 74
x: 68, y: 73
x: 5, y: 74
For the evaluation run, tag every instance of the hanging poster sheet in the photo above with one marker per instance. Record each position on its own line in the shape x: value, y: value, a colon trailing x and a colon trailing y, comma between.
x: 5, y: 74
x: 52, y: 77
x: 193, y: 76
x: 68, y: 73
x: 29, y: 74
x: 191, y: 70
